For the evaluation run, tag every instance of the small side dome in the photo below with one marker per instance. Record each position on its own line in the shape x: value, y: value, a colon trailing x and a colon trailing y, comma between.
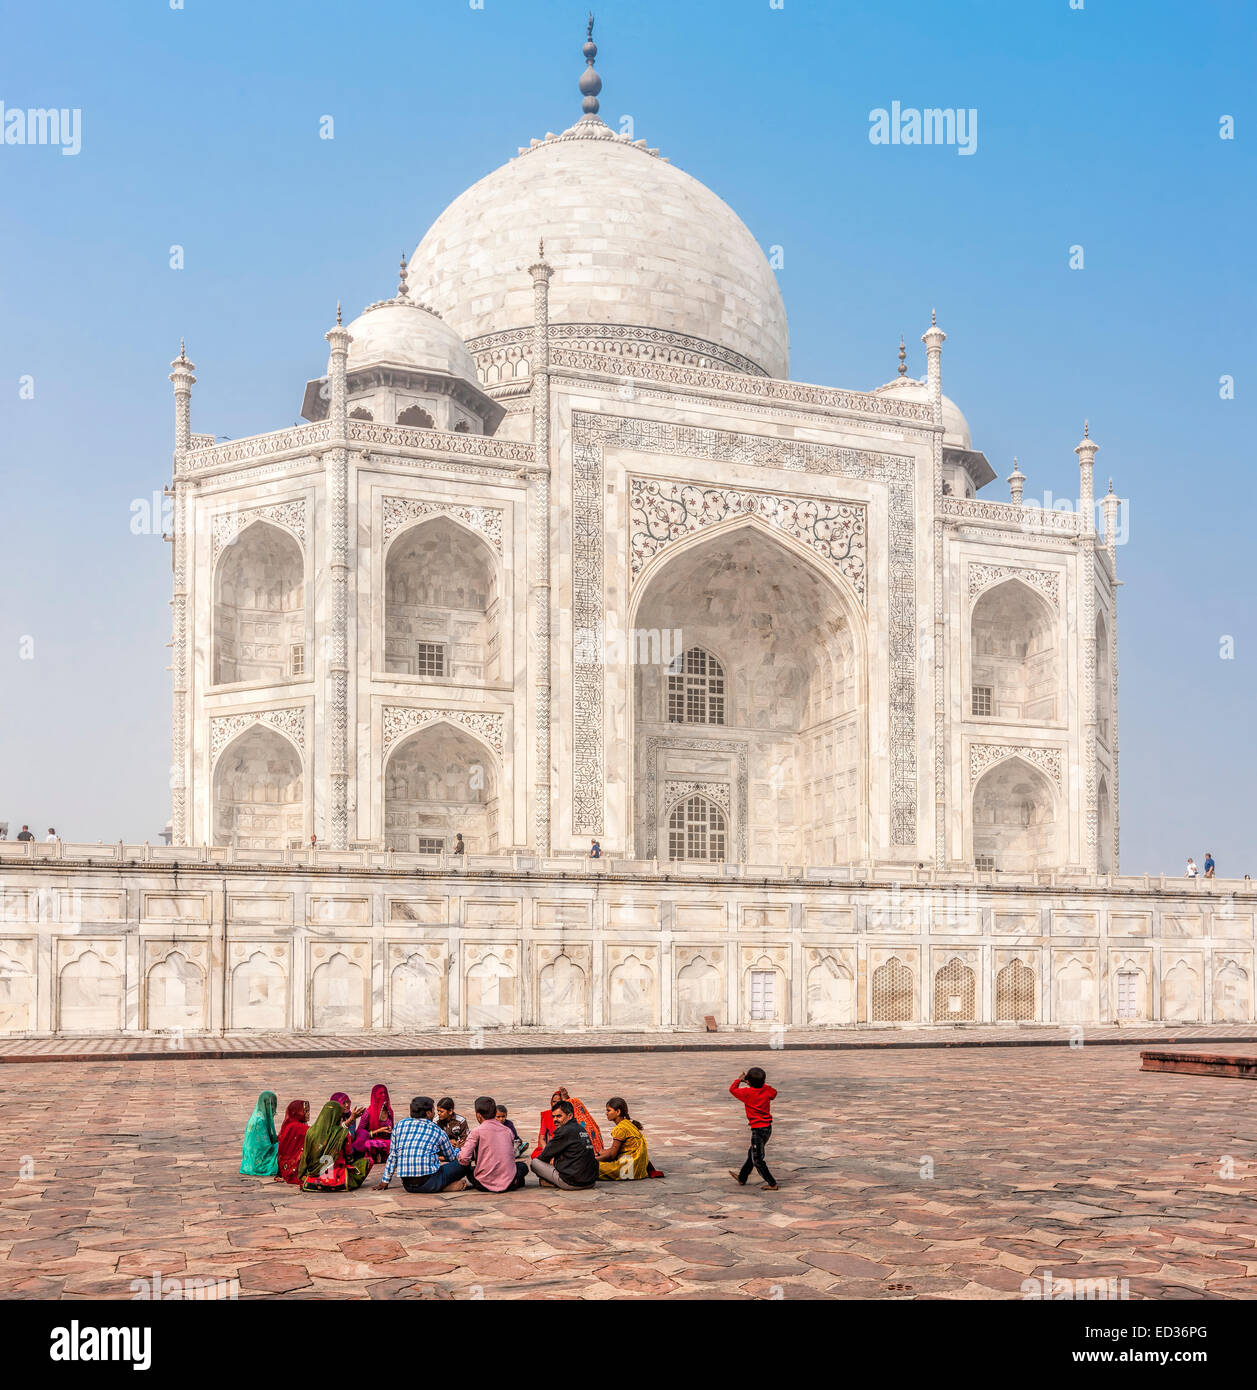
x: 956, y: 433
x: 405, y: 365
x: 400, y: 333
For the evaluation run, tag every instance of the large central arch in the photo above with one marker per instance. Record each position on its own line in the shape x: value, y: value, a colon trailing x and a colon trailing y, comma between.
x: 754, y: 696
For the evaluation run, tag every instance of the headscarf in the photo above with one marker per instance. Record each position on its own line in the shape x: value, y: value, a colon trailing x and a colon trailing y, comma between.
x: 341, y: 1099
x: 292, y: 1138
x: 259, y: 1152
x: 582, y: 1117
x: 379, y: 1113
x: 324, y: 1138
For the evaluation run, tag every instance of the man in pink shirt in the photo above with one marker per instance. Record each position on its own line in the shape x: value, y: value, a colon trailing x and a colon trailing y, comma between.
x: 489, y: 1151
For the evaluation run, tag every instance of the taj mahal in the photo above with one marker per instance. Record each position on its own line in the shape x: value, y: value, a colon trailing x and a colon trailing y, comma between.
x: 563, y: 555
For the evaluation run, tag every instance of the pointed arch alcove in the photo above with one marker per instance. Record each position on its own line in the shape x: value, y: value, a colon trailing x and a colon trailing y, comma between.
x: 1016, y: 819
x: 441, y: 604
x: 439, y: 782
x: 1015, y: 660
x: 259, y: 621
x: 259, y: 792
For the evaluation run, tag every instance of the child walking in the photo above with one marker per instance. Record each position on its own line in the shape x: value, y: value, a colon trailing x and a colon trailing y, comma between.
x: 750, y: 1089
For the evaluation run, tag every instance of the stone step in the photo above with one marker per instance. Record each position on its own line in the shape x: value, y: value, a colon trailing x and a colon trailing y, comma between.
x: 1201, y: 1063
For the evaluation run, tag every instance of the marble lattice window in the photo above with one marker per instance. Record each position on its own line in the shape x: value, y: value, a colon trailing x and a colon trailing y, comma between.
x: 430, y: 659
x: 955, y: 993
x: 981, y: 700
x: 430, y: 845
x: 297, y: 659
x: 984, y: 863
x: 892, y: 992
x: 697, y: 830
x: 1014, y: 993
x: 696, y: 689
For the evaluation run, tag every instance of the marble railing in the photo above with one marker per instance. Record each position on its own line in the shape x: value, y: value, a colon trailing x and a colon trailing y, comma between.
x: 36, y: 852
x: 208, y: 455
x: 1011, y: 517
x: 255, y: 446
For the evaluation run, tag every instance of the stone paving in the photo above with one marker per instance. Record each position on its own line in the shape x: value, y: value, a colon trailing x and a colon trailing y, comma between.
x: 511, y: 1041
x: 1063, y: 1159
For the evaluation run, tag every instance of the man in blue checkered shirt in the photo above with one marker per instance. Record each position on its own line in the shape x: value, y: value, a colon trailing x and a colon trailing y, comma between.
x: 416, y: 1148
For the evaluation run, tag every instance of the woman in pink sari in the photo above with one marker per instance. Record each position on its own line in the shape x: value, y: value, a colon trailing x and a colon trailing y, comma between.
x: 375, y: 1128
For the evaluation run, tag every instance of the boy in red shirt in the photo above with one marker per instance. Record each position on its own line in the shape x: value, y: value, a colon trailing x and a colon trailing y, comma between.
x: 749, y: 1088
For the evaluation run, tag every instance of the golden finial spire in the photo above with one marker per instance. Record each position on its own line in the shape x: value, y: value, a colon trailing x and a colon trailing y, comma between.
x: 933, y: 319
x: 183, y: 356
x: 1086, y: 429
x: 903, y: 357
x: 403, y: 292
x: 338, y: 313
x: 541, y: 248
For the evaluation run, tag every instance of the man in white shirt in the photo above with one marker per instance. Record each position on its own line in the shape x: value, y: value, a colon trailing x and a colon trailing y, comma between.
x: 51, y: 837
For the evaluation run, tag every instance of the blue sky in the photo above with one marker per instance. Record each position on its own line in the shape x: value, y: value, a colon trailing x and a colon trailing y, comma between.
x: 1096, y: 127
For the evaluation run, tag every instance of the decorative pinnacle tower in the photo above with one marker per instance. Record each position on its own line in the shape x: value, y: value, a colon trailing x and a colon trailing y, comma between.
x: 1086, y: 451
x: 903, y: 357
x: 1016, y: 481
x: 181, y: 374
x: 934, y: 338
x: 590, y: 82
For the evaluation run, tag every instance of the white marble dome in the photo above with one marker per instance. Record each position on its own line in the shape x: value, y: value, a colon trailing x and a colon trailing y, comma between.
x: 633, y: 240
x: 399, y: 333
x: 955, y: 426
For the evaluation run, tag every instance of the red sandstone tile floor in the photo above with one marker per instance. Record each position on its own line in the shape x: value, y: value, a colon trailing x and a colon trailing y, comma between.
x: 926, y: 1173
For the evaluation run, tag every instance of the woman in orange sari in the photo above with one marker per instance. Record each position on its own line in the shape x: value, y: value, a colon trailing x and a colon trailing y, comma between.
x: 582, y: 1117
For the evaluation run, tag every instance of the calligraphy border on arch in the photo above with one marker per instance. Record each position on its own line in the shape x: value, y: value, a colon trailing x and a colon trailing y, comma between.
x: 591, y: 434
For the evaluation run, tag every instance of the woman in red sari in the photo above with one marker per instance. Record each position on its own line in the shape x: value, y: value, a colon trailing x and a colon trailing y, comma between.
x: 292, y: 1138
x: 581, y: 1115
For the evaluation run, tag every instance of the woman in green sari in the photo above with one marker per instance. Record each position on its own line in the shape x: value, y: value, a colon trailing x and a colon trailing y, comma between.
x: 327, y: 1162
x: 260, y: 1150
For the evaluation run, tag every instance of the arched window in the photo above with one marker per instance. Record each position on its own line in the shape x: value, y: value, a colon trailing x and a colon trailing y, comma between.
x: 462, y: 427
x: 417, y: 416
x: 696, y: 689
x: 360, y: 412
x: 697, y: 830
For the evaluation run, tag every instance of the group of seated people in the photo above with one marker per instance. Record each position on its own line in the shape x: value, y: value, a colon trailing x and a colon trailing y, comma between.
x: 433, y: 1149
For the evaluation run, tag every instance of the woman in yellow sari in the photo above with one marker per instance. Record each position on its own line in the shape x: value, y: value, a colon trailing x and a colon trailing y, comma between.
x: 625, y: 1157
